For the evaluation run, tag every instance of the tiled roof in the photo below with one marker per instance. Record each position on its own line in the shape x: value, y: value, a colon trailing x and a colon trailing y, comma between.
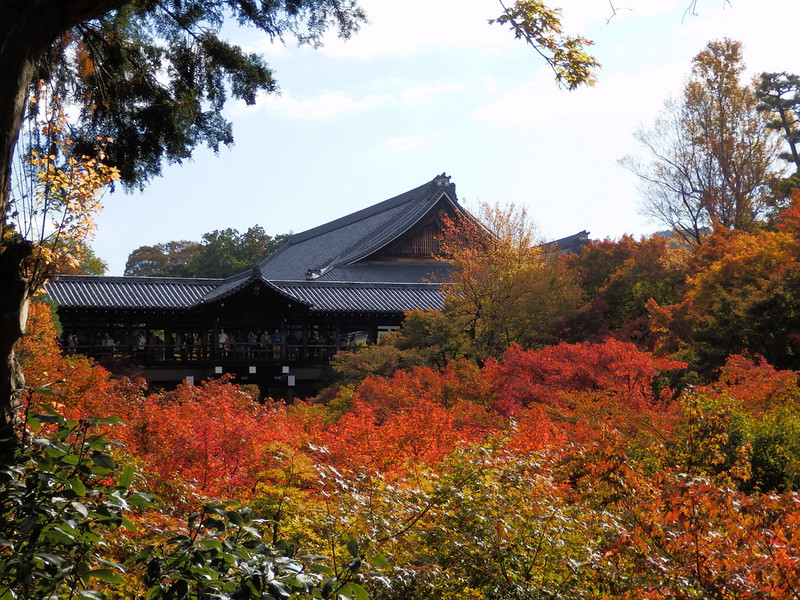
x: 356, y: 236
x: 390, y: 272
x: 571, y: 244
x: 171, y: 293
x: 87, y: 291
x: 364, y: 297
x: 237, y: 282
x: 338, y: 253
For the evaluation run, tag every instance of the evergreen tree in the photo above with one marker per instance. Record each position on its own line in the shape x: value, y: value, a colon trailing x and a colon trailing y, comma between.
x: 779, y: 96
x: 154, y: 76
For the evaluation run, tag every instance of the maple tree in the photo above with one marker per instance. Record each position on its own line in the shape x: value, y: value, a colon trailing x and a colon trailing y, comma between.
x: 410, y: 419
x: 619, y: 278
x: 548, y: 375
x: 54, y: 205
x: 57, y: 198
x: 505, y: 286
x: 741, y: 298
x: 213, y: 440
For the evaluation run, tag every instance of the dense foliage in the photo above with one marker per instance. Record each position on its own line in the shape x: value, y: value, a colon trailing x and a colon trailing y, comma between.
x: 221, y: 253
x: 575, y: 470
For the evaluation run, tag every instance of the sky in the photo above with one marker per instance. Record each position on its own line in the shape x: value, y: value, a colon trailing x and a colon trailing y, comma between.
x: 429, y: 87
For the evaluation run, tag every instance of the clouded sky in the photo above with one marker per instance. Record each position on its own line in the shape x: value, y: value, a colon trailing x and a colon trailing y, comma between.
x: 427, y: 87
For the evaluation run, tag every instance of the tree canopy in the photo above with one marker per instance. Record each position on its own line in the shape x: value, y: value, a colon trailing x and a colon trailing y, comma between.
x: 221, y: 253
x: 168, y: 259
x: 712, y: 158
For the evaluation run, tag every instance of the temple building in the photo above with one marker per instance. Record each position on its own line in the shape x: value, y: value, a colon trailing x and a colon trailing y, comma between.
x: 330, y: 289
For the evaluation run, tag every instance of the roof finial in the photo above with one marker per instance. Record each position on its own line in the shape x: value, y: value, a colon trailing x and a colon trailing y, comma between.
x: 443, y: 179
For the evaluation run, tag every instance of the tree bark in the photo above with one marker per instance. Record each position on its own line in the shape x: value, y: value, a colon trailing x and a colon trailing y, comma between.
x: 27, y: 29
x: 13, y: 315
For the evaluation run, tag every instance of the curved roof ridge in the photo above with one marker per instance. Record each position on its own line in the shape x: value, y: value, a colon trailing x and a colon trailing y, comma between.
x: 370, y: 211
x: 377, y: 241
x: 326, y: 247
x: 236, y: 283
x: 139, y: 279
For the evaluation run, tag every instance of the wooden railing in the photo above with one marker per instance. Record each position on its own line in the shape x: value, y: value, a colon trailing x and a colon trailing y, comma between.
x: 155, y: 354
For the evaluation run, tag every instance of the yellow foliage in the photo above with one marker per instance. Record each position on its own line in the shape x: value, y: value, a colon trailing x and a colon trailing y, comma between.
x: 65, y: 192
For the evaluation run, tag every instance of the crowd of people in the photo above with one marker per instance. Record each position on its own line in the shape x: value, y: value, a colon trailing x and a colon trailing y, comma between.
x: 150, y: 346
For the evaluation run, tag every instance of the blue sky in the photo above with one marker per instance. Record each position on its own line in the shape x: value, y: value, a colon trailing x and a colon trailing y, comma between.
x: 429, y: 87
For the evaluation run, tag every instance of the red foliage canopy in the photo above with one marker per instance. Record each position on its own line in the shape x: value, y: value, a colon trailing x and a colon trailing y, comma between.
x: 551, y: 374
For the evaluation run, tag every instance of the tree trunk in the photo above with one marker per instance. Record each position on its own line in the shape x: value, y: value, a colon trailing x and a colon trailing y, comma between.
x: 13, y: 315
x: 27, y: 29
x: 17, y: 64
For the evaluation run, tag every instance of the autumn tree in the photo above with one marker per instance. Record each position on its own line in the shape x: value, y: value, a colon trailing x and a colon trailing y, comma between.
x: 742, y: 297
x: 505, y: 285
x: 55, y: 198
x: 56, y: 193
x: 549, y: 375
x: 169, y: 259
x: 618, y: 279
x: 712, y: 158
x: 86, y: 262
x: 434, y: 334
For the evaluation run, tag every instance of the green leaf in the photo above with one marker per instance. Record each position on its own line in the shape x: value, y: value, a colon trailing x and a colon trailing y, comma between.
x: 379, y: 561
x: 83, y: 572
x: 52, y: 559
x: 76, y: 485
x: 355, y: 565
x: 129, y: 525
x: 352, y: 548
x: 45, y: 391
x: 234, y: 517
x: 126, y: 478
x: 80, y: 509
x: 46, y: 419
x: 141, y: 500
x: 321, y: 569
x: 102, y: 460
x: 107, y: 575
x: 59, y: 536
x: 353, y: 591
x: 154, y: 592
x: 279, y: 589
x: 210, y: 543
x: 212, y: 523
